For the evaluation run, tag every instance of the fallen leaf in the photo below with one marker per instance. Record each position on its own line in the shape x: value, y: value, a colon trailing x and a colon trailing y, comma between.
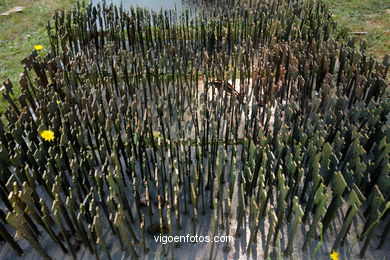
x: 15, y: 9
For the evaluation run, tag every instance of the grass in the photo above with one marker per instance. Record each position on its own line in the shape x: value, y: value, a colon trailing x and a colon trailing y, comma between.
x: 369, y: 16
x: 19, y: 32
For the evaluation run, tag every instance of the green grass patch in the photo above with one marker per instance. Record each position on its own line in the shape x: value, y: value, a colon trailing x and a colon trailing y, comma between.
x: 19, y: 32
x: 371, y: 17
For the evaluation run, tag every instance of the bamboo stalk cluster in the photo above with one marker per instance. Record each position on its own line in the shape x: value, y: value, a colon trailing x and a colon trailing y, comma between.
x: 256, y: 112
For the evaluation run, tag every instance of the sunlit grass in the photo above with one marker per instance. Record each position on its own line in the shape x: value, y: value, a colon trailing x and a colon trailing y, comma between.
x: 19, y: 32
x: 371, y: 17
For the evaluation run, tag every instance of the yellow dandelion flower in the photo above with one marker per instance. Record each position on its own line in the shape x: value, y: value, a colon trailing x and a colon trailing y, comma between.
x: 47, y: 135
x: 334, y: 255
x: 156, y: 134
x: 38, y: 47
x: 58, y: 102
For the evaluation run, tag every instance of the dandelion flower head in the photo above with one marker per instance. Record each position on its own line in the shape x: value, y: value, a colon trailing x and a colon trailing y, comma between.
x: 334, y: 255
x: 38, y: 47
x: 47, y: 135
